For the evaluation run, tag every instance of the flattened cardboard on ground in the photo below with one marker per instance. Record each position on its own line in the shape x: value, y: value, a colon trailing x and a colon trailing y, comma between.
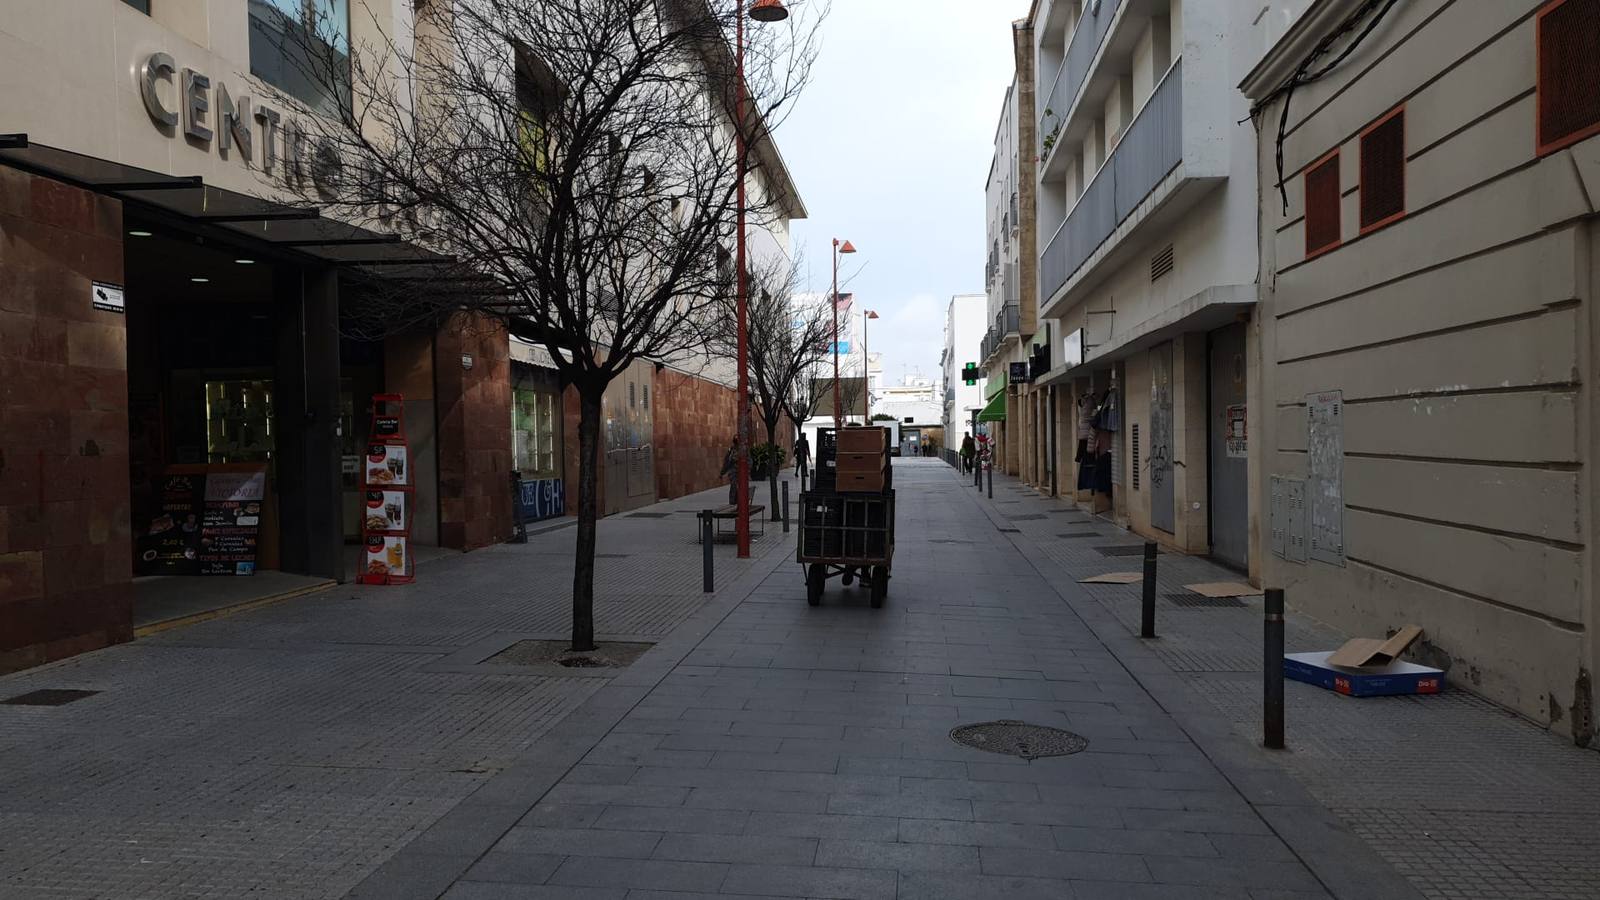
x: 1113, y: 578
x: 1218, y: 590
x: 1396, y: 677
x: 1359, y: 653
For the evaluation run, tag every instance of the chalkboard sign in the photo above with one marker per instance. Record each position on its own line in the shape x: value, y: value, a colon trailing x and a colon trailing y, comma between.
x: 209, y: 522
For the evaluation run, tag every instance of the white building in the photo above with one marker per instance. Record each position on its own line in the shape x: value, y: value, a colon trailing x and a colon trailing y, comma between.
x: 964, y: 323
x: 1148, y: 259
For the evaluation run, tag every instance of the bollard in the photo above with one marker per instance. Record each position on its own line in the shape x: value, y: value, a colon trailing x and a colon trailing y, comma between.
x: 1272, y: 671
x: 977, y: 474
x: 1147, y: 616
x: 990, y: 468
x: 786, y: 507
x: 705, y: 552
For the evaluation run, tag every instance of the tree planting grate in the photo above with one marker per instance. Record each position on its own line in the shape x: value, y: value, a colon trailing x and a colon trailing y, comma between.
x: 1123, y: 550
x: 1078, y: 534
x: 1198, y: 601
x: 1022, y: 739
x: 1027, y: 517
x: 47, y: 697
x: 647, y: 515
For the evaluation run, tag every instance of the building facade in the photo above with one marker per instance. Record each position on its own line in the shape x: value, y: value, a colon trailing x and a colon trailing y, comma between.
x: 1427, y: 335
x: 1147, y: 264
x: 165, y: 313
x: 965, y: 321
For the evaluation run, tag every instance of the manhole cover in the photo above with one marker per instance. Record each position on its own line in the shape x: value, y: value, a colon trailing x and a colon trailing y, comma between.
x: 1196, y: 601
x: 48, y: 697
x: 1019, y: 739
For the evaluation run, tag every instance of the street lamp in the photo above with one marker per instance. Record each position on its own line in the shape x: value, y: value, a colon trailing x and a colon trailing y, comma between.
x: 761, y: 11
x: 866, y: 361
x: 838, y: 401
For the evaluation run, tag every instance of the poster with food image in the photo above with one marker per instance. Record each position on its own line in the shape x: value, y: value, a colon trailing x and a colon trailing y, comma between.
x: 169, y: 541
x: 386, y: 511
x: 387, y: 464
x: 387, y: 554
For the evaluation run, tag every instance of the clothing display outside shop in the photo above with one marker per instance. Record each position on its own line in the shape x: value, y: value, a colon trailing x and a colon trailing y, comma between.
x: 1099, y: 420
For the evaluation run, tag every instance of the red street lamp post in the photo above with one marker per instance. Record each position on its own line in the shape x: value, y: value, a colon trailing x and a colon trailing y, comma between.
x: 761, y: 11
x: 838, y: 402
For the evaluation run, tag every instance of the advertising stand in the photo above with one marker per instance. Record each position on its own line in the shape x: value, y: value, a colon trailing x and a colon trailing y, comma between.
x: 387, y: 488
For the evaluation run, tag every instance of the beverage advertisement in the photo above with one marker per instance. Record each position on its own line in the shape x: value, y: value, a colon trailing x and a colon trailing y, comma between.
x: 386, y: 511
x: 386, y: 464
x: 387, y: 556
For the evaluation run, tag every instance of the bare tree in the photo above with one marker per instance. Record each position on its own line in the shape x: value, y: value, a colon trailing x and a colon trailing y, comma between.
x: 787, y: 338
x: 573, y: 163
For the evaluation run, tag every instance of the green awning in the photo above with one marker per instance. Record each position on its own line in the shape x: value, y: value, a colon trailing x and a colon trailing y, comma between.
x: 995, y: 411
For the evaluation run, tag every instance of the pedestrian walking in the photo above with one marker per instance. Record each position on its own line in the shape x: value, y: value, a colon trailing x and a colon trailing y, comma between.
x: 802, y: 457
x: 969, y: 448
x: 730, y: 470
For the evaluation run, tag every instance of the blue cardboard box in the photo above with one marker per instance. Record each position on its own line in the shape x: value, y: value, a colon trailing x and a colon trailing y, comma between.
x: 1396, y: 677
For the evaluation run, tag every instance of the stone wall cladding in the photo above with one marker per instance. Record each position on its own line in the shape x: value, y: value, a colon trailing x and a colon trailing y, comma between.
x: 474, y: 410
x: 694, y: 422
x: 66, y: 556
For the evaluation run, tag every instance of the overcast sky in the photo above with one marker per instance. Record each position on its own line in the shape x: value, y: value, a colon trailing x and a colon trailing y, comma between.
x: 890, y: 148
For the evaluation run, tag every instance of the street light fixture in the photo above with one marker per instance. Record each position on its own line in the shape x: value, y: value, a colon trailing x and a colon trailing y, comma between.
x: 866, y: 363
x: 838, y: 401
x: 760, y: 11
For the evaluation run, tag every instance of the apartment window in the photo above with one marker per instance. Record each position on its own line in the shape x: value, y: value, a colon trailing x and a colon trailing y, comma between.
x: 1322, y: 204
x: 302, y: 47
x: 538, y: 97
x: 1568, y: 44
x: 1383, y: 170
x: 536, y: 433
x: 141, y: 5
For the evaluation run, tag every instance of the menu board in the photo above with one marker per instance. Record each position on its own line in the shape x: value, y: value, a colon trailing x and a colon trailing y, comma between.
x: 386, y: 485
x: 209, y: 522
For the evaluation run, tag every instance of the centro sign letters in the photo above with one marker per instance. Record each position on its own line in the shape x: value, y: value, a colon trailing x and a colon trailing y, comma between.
x: 209, y: 113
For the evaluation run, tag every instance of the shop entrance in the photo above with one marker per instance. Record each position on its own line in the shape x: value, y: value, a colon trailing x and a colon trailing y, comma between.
x: 1227, y: 441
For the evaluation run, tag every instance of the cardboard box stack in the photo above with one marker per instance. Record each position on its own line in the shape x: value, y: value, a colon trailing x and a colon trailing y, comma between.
x: 862, y: 460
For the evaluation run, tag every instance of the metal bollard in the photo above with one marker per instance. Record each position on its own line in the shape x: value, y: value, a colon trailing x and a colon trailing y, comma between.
x: 705, y: 549
x: 1147, y: 615
x: 977, y: 474
x: 786, y: 507
x: 1272, y: 671
x: 990, y: 467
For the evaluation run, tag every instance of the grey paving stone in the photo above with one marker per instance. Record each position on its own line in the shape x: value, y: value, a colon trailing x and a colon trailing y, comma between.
x: 1185, y: 820
x: 1265, y: 874
x: 672, y: 820
x: 965, y: 789
x: 714, y: 742
x: 902, y: 767
x: 1126, y: 890
x: 976, y: 834
x: 1047, y: 814
x: 652, y: 874
x: 900, y: 807
x: 618, y: 795
x: 762, y: 849
x: 812, y: 881
x: 1064, y: 864
x: 775, y: 762
x: 758, y: 800
x: 898, y: 856
x: 513, y: 866
x: 858, y: 828
x: 1135, y: 841
x: 579, y: 842
x: 481, y: 890
x: 961, y: 886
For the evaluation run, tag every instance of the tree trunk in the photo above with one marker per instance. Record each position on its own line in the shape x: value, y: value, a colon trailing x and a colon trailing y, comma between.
x: 588, y: 515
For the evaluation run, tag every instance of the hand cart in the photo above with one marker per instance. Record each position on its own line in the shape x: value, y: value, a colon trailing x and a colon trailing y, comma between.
x: 847, y: 518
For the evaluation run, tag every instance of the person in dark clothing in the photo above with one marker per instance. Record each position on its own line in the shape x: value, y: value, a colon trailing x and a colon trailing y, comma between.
x: 730, y: 471
x: 969, y: 448
x: 802, y: 456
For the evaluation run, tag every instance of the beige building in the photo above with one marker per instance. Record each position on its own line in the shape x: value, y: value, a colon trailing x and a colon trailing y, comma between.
x: 1427, y: 334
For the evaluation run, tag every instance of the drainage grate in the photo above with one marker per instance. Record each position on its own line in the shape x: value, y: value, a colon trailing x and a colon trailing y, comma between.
x: 647, y: 515
x: 1123, y: 550
x: 1009, y: 530
x: 47, y: 697
x: 1196, y: 601
x: 1027, y: 517
x: 1015, y: 738
x: 948, y: 541
x: 1078, y: 534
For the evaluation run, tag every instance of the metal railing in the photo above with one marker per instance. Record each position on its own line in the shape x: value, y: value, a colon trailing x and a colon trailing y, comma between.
x: 1150, y: 149
x: 1008, y: 320
x: 1086, y: 39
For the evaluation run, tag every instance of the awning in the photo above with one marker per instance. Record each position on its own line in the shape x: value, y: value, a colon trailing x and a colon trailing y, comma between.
x: 295, y: 229
x: 995, y: 411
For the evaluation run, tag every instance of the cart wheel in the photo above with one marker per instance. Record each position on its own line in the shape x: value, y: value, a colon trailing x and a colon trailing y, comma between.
x: 816, y: 577
x: 849, y: 576
x: 880, y: 585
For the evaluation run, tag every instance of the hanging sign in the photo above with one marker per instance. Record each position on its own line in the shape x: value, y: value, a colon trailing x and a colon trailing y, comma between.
x: 387, y: 488
x: 1019, y: 373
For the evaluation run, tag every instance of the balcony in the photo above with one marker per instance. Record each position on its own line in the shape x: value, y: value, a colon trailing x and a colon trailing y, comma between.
x: 1087, y: 37
x: 1148, y: 152
x: 1007, y: 321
